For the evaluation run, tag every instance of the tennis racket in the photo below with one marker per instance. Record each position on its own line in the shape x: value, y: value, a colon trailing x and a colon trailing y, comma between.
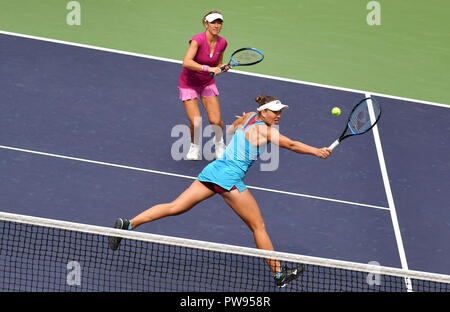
x: 244, y: 57
x: 362, y: 118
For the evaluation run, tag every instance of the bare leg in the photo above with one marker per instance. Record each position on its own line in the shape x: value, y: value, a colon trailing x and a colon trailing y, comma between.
x: 195, y: 119
x: 194, y: 194
x: 212, y: 108
x: 246, y: 207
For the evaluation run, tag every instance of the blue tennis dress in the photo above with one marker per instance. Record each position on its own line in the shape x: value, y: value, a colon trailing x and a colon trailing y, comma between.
x: 238, y: 157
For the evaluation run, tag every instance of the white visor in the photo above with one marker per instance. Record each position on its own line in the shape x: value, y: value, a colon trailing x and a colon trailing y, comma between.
x: 213, y: 16
x: 273, y: 106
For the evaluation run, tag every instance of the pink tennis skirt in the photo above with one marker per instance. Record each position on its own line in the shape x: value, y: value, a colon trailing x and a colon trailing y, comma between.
x: 192, y: 93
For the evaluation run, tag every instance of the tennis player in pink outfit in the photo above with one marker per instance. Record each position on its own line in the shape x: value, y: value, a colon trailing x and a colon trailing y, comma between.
x: 204, y: 56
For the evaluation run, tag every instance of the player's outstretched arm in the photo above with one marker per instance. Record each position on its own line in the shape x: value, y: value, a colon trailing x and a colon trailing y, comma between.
x: 274, y: 136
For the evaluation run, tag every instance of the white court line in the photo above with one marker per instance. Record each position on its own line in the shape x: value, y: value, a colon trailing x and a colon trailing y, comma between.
x: 391, y: 203
x: 185, y: 176
x: 390, y: 197
x: 80, y: 45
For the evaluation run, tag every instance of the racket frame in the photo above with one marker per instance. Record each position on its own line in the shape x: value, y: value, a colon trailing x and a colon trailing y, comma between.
x: 245, y: 64
x: 347, y: 125
x: 238, y: 64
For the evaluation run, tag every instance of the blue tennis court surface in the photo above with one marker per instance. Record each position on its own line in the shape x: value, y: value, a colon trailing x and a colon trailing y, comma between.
x: 85, y: 136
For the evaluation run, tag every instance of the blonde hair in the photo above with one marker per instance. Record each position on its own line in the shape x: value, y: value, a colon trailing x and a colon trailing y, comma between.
x: 210, y: 12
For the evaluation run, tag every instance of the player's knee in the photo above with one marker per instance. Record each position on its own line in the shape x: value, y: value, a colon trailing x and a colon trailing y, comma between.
x: 195, y: 122
x: 258, y: 226
x: 178, y: 207
x: 215, y: 121
x: 175, y: 208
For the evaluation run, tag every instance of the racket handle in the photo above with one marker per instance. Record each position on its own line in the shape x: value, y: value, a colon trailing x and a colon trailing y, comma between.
x: 335, y: 143
x: 221, y: 68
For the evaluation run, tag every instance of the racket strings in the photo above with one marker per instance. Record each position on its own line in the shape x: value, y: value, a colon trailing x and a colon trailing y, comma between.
x: 360, y: 120
x: 246, y: 57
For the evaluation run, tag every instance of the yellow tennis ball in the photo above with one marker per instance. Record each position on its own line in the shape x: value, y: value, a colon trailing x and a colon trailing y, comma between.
x: 336, y: 111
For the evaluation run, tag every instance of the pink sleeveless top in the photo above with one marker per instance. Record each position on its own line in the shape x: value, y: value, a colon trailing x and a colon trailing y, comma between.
x: 190, y: 78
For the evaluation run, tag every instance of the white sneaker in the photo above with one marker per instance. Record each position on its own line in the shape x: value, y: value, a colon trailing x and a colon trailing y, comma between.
x: 194, y: 152
x: 220, y: 148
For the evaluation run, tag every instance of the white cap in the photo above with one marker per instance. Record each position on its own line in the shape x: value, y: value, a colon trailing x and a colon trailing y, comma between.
x: 213, y: 16
x: 273, y: 106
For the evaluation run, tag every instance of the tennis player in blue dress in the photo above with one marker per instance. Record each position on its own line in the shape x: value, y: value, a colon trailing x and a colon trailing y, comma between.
x: 224, y: 176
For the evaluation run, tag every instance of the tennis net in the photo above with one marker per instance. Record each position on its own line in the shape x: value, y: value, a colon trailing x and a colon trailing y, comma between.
x: 38, y: 254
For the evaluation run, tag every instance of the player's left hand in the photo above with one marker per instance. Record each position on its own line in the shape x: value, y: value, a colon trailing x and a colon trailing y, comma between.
x: 239, y: 120
x: 240, y: 117
x: 227, y: 68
